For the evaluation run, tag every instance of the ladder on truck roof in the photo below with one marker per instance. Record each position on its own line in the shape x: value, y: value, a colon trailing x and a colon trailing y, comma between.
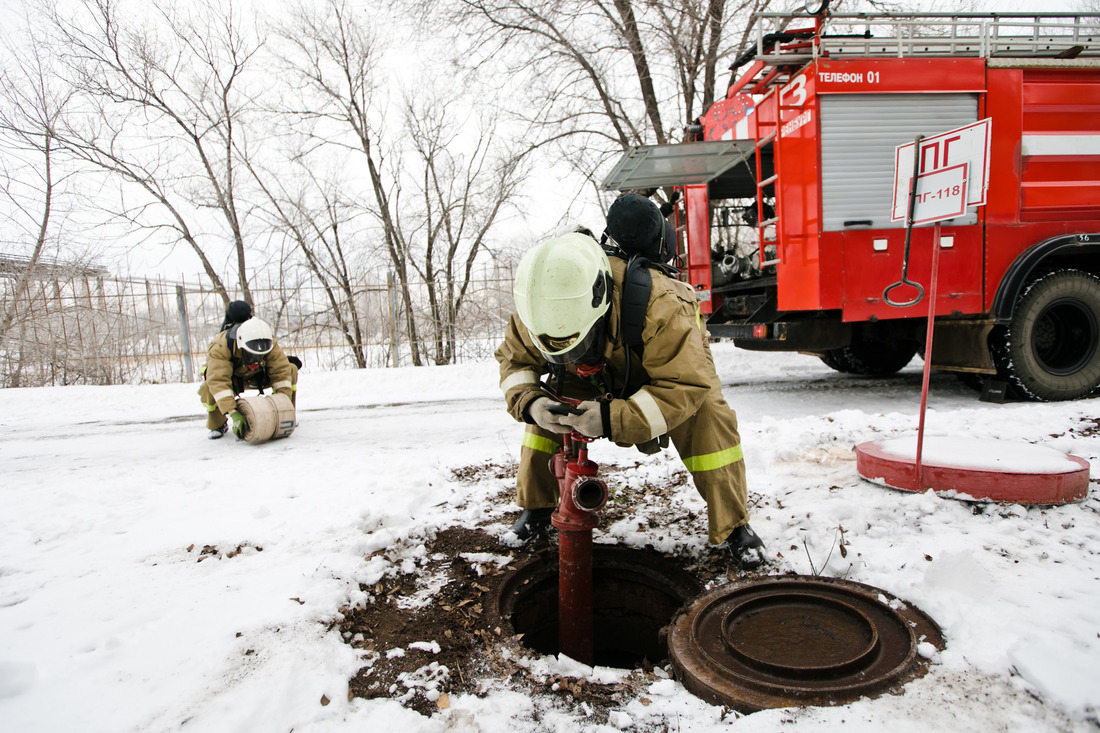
x: 779, y: 51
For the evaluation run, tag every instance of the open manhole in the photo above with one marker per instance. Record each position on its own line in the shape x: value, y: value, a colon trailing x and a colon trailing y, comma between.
x: 635, y: 594
x: 797, y: 640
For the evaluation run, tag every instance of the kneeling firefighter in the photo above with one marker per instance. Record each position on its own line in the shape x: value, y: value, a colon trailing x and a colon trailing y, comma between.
x: 244, y: 355
x: 569, y: 324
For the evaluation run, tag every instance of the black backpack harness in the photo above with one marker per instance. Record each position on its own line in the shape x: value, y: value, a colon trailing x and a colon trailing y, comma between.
x: 237, y: 361
x: 637, y: 284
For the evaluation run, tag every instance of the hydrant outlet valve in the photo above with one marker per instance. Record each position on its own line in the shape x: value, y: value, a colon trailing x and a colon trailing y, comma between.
x: 589, y: 494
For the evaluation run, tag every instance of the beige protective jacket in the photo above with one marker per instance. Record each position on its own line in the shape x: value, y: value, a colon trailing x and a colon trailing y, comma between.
x: 224, y: 366
x: 667, y: 386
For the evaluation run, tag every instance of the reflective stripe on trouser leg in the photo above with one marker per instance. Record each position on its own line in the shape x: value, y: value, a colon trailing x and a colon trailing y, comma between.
x: 214, y: 417
x: 710, y: 447
x: 536, y: 486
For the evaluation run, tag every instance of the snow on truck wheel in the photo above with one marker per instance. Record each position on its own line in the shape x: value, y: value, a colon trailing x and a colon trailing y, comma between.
x: 1051, y: 348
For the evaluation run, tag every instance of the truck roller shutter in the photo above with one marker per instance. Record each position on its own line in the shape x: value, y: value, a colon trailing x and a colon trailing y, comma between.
x: 859, y: 133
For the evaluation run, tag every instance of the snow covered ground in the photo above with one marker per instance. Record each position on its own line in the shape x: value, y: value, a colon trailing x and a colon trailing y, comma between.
x: 109, y: 495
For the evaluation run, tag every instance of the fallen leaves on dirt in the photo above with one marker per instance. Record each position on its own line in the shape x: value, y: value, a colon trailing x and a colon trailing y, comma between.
x: 209, y: 551
x: 452, y: 631
x: 1092, y: 427
x: 458, y: 643
x: 454, y: 640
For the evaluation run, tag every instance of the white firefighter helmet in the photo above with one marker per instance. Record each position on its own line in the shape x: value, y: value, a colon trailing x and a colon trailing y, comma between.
x: 562, y: 291
x: 254, y: 336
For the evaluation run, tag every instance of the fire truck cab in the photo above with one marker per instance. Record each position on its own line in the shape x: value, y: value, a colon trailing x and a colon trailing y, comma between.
x: 785, y: 195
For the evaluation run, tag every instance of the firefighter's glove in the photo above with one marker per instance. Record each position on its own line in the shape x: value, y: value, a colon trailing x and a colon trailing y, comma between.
x: 654, y: 446
x: 239, y: 424
x: 590, y: 420
x: 539, y: 410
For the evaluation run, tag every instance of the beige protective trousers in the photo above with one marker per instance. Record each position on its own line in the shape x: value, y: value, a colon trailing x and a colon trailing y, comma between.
x: 708, y: 443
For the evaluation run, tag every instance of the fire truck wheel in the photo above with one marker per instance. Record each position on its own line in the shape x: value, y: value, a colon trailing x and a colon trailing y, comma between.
x: 1051, y: 348
x: 872, y: 358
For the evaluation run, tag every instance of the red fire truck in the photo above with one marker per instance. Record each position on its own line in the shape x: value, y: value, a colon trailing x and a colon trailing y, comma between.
x: 785, y: 195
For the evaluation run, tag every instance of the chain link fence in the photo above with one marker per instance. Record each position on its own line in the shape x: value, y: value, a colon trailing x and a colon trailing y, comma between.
x: 90, y: 328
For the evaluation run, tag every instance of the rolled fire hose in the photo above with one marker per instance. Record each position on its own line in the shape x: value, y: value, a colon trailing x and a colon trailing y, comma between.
x: 267, y: 416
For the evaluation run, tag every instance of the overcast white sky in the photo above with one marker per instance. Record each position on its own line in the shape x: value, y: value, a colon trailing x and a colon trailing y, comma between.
x: 559, y: 193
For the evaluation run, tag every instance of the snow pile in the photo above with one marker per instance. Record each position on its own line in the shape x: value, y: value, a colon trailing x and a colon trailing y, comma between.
x: 990, y: 455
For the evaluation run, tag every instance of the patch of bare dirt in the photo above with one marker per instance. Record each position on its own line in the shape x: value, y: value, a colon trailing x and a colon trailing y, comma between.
x: 476, y: 646
x: 1090, y: 427
x: 455, y: 618
x: 463, y: 619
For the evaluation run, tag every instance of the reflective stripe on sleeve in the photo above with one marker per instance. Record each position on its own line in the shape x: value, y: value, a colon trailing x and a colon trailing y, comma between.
x: 651, y: 411
x: 223, y: 394
x: 539, y: 443
x: 209, y: 408
x: 282, y: 384
x: 519, y: 378
x: 712, y: 461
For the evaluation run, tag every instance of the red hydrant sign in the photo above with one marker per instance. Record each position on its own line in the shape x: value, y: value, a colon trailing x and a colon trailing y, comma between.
x: 941, y: 194
x: 953, y: 174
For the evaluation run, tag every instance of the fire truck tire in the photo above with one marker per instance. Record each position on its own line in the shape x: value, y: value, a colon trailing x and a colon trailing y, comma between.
x: 870, y: 358
x: 833, y: 361
x: 1051, y: 349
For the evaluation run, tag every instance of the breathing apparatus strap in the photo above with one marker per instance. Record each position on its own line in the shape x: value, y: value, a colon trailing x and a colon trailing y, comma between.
x: 595, y: 376
x: 236, y: 361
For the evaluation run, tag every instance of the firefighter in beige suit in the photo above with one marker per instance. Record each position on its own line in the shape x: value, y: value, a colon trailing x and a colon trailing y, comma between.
x: 242, y: 356
x: 567, y: 326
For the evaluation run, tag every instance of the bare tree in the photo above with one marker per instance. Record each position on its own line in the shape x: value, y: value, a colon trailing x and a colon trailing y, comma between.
x: 163, y: 109
x: 461, y: 196
x: 1088, y: 6
x: 698, y: 37
x: 316, y: 217
x: 577, y: 53
x: 29, y: 110
x: 436, y: 231
x: 333, y: 54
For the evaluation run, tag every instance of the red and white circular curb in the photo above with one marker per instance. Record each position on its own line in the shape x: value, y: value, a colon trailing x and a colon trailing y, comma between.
x: 970, y: 468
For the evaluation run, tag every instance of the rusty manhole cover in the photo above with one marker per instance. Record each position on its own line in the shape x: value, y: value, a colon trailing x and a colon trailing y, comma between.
x: 797, y: 640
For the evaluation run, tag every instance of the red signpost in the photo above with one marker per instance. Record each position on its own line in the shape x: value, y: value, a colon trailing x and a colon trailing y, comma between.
x: 940, y: 187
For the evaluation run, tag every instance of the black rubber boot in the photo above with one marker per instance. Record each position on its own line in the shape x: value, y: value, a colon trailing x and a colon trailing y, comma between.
x: 745, y: 548
x: 532, y: 522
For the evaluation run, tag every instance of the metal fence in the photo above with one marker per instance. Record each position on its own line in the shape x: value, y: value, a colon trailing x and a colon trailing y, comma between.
x: 89, y: 328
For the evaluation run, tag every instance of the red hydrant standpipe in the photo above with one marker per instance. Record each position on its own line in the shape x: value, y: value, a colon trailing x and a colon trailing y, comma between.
x: 582, y: 496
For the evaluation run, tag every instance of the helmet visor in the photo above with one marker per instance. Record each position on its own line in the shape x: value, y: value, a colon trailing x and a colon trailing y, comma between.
x: 573, y: 349
x: 258, y: 346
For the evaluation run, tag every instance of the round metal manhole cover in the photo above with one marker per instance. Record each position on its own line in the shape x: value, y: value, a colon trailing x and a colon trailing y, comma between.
x: 797, y: 640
